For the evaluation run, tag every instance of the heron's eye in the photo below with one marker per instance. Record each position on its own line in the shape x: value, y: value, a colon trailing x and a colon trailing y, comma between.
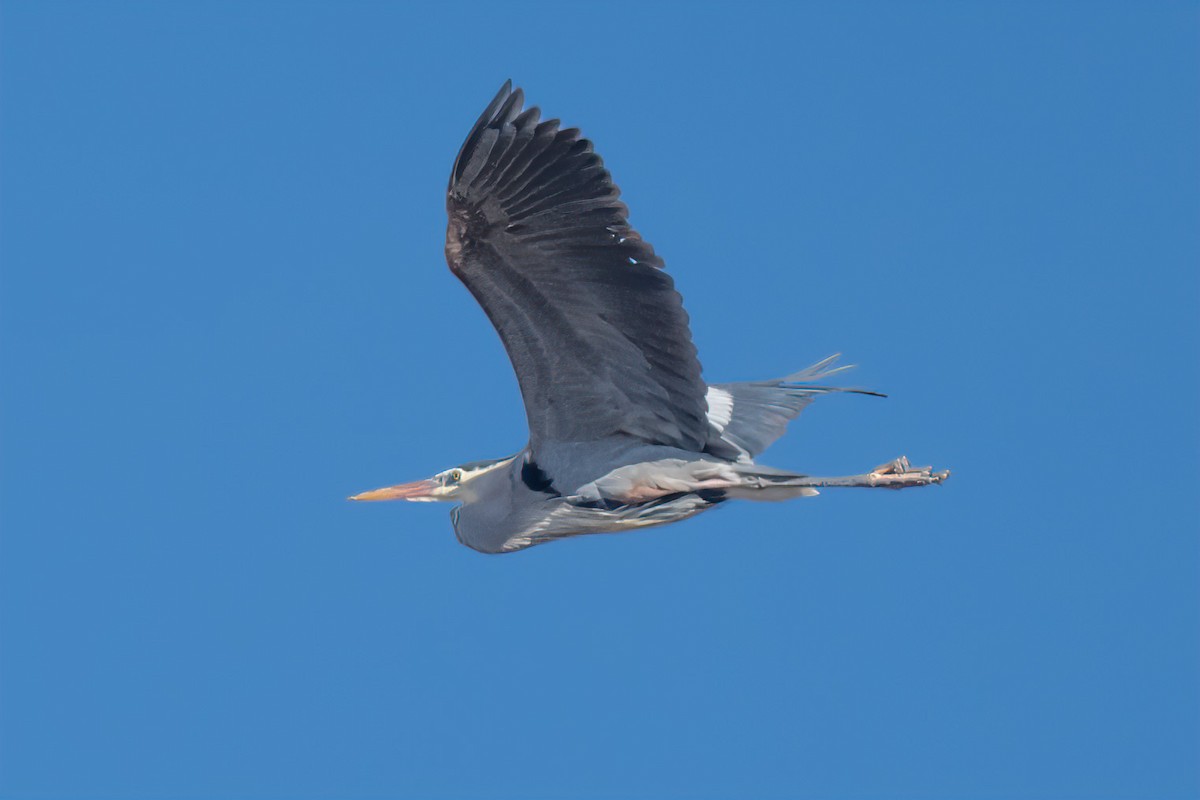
x: 456, y: 475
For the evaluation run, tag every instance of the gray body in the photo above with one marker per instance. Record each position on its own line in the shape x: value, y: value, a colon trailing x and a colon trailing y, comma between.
x: 508, y: 513
x: 623, y: 431
x: 561, y: 491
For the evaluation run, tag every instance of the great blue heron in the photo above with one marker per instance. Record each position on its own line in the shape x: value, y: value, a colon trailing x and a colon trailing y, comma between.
x: 623, y: 431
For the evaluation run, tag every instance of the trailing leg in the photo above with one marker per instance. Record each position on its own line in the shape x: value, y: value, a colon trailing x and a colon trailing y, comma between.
x: 897, y: 474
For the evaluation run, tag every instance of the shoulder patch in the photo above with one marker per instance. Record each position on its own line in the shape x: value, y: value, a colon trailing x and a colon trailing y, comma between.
x: 537, y: 480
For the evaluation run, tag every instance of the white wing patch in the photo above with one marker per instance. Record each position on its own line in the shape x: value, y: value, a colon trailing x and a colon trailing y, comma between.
x: 720, y: 407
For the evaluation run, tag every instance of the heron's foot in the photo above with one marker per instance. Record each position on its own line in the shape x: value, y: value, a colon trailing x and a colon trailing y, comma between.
x: 900, y: 474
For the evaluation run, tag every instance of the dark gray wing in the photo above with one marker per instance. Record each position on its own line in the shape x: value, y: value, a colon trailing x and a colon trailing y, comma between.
x: 596, y: 332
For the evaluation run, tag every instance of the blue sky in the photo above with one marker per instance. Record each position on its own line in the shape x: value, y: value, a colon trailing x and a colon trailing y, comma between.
x: 224, y: 307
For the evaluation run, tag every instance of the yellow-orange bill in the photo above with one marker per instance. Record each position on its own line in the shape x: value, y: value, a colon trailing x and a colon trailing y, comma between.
x: 417, y: 490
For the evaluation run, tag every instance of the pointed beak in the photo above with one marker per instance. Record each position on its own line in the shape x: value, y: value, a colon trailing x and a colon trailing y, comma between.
x: 417, y: 490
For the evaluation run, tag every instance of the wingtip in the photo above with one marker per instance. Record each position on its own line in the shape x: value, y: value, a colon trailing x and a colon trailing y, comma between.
x: 509, y: 109
x: 506, y: 91
x: 502, y: 96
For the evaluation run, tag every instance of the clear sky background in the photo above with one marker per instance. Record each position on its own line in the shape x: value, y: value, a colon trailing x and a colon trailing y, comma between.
x: 224, y: 307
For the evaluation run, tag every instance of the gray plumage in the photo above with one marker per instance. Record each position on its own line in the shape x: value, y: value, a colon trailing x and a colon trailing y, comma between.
x: 594, y: 327
x: 623, y: 431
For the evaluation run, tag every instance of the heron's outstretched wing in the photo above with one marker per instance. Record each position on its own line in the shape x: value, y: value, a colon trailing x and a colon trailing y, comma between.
x: 596, y: 332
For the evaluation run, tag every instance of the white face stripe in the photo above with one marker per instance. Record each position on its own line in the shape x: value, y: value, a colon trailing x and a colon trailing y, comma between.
x: 468, y: 474
x: 720, y: 407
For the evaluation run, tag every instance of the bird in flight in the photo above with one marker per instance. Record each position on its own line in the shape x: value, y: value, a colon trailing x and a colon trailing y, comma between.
x: 623, y: 431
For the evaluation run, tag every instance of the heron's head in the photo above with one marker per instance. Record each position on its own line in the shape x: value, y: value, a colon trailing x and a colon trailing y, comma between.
x: 453, y: 485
